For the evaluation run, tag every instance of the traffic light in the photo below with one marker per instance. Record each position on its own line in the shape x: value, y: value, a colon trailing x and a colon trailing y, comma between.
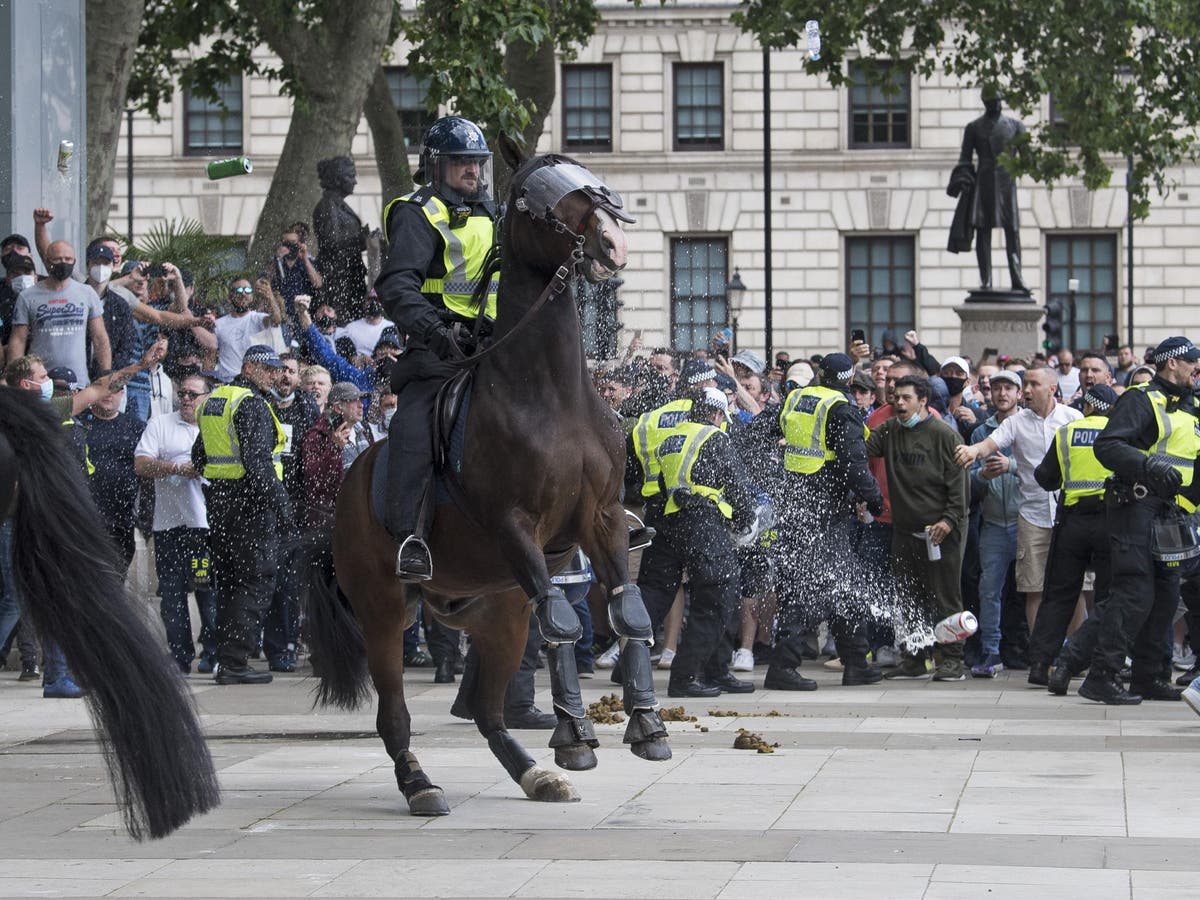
x: 1053, y: 326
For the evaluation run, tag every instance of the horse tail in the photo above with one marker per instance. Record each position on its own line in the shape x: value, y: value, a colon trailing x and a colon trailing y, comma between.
x: 66, y: 568
x: 336, y: 643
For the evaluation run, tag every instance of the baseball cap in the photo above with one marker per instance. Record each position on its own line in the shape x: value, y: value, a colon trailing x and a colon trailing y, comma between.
x: 345, y: 390
x: 751, y: 361
x: 388, y: 339
x: 863, y: 381
x: 1177, y: 347
x: 100, y: 251
x: 18, y: 240
x: 263, y: 355
x: 1006, y: 375
x: 956, y: 361
x: 66, y: 376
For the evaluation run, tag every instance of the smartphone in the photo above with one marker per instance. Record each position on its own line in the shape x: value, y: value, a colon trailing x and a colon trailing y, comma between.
x: 336, y: 420
x: 156, y: 271
x: 858, y: 335
x: 988, y: 353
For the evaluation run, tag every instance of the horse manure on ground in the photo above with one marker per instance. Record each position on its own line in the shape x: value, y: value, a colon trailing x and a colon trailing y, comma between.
x: 724, y: 713
x: 608, y: 710
x: 748, y: 740
x: 675, y: 714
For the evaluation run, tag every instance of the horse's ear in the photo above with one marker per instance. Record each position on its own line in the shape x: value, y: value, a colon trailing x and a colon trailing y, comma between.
x: 510, y: 151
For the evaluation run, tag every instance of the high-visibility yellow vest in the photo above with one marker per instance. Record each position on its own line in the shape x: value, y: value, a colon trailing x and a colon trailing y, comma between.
x: 1083, y: 475
x: 803, y: 422
x: 87, y: 456
x: 463, y: 253
x: 677, y: 455
x: 1178, y: 435
x: 649, y: 432
x: 221, y: 447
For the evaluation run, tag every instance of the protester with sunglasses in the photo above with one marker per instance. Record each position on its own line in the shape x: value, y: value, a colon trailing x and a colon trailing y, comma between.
x: 252, y: 309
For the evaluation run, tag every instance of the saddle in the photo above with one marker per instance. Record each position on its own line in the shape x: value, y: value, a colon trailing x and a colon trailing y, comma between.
x: 449, y: 407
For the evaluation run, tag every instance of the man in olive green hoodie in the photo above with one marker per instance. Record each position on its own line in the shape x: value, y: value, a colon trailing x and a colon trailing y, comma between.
x: 929, y: 494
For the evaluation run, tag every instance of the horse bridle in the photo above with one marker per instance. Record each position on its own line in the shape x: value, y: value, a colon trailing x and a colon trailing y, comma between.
x: 541, y: 193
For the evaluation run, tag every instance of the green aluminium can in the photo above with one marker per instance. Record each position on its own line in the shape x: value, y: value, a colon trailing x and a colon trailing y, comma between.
x: 227, y: 168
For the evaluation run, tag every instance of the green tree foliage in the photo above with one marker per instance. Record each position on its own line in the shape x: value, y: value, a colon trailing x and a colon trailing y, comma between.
x: 1124, y: 74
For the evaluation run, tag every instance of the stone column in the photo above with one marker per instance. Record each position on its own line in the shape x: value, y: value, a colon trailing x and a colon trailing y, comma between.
x: 1004, y: 321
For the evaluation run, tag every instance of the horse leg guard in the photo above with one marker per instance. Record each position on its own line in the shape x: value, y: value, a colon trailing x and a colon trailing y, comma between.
x: 556, y: 618
x: 511, y: 754
x: 647, y: 736
x: 627, y: 614
x: 564, y: 680
x: 573, y: 738
x: 424, y: 798
x: 639, y: 676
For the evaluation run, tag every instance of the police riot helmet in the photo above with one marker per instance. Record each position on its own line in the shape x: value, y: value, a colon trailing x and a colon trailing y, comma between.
x: 456, y: 160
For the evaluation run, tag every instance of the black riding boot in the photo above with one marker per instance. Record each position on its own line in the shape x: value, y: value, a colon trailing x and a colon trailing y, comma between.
x: 410, y: 467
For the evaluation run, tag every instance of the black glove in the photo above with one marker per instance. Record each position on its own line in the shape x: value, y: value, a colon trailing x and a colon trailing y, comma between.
x: 441, y: 342
x: 1161, y: 477
x: 875, y: 507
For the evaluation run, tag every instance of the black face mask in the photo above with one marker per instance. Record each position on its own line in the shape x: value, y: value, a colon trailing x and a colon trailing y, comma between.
x: 324, y: 322
x: 9, y: 259
x: 61, y: 270
x: 954, y: 385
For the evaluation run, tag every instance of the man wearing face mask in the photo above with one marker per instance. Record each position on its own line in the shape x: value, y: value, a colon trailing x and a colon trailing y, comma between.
x: 965, y: 412
x: 55, y: 318
x: 118, y: 318
x: 18, y: 275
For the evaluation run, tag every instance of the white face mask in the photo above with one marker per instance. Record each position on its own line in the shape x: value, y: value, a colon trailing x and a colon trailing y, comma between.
x: 23, y: 281
x: 100, y: 274
x: 387, y: 417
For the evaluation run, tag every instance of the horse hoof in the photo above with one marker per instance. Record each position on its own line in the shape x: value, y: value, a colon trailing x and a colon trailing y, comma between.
x: 548, y: 787
x: 428, y: 802
x: 655, y: 749
x: 575, y: 757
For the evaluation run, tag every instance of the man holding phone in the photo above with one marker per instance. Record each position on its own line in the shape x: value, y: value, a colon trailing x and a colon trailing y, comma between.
x: 295, y: 272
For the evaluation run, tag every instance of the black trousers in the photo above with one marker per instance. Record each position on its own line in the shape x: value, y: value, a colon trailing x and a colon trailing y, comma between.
x: 932, y: 586
x: 1142, y: 596
x: 695, y: 539
x: 416, y: 378
x: 1079, y: 542
x: 244, y: 540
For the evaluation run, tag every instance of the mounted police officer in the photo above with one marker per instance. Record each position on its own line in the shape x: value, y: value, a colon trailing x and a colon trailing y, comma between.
x: 239, y: 451
x: 704, y: 491
x: 827, y: 475
x: 439, y: 236
x: 1079, y: 541
x: 1150, y: 444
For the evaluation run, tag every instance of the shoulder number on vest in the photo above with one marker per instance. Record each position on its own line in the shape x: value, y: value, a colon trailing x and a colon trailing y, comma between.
x: 673, y: 444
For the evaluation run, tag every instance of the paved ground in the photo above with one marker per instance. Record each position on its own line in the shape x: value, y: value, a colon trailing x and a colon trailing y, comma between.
x: 981, y: 789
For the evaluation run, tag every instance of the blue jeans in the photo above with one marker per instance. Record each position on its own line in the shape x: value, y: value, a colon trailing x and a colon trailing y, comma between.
x: 281, y: 627
x: 577, y: 597
x: 174, y: 551
x: 10, y: 608
x: 997, y: 550
x: 137, y: 399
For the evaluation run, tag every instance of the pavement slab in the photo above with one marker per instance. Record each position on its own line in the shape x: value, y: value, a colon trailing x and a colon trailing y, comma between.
x: 987, y: 788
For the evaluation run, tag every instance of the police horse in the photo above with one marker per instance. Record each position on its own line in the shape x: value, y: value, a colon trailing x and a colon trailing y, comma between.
x: 65, y: 568
x: 541, y: 471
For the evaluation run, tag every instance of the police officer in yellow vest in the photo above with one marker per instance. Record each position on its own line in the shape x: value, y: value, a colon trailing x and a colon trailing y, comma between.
x: 438, y: 236
x: 705, y: 493
x: 1150, y: 443
x: 825, y: 459
x: 239, y: 452
x: 1079, y: 541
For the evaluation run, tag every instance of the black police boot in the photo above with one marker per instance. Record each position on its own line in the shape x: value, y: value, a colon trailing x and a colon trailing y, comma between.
x: 413, y: 562
x: 1156, y: 689
x: 691, y: 686
x: 779, y: 678
x: 242, y: 675
x: 1103, y: 687
x: 444, y: 674
x: 731, y: 685
x: 852, y: 676
x: 1183, y: 680
x: 1060, y: 678
x: 531, y: 718
x: 1039, y: 673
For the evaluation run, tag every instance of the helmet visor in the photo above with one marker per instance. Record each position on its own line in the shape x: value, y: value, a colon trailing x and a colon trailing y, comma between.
x: 467, y: 175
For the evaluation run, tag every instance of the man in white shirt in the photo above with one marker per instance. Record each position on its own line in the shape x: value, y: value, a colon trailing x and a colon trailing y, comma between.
x: 164, y: 453
x: 237, y: 331
x: 1068, y: 375
x: 366, y: 332
x: 1030, y: 433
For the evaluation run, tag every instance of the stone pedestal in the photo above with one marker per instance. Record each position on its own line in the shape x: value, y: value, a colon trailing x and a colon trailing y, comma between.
x: 1006, y: 321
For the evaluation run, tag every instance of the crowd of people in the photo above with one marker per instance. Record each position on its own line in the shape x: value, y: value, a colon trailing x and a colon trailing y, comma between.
x: 841, y: 505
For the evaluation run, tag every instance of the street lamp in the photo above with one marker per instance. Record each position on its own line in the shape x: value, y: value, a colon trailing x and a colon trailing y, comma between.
x: 1072, y: 290
x: 735, y: 291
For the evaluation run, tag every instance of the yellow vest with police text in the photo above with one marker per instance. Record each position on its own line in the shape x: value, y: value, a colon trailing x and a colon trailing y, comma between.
x: 221, y: 447
x: 1178, y: 435
x: 463, y: 253
x: 649, y: 432
x: 1082, y: 474
x: 677, y: 455
x: 803, y: 421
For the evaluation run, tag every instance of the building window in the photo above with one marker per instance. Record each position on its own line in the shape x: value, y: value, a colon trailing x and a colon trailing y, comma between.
x: 408, y: 96
x: 880, y: 286
x: 699, y: 306
x: 214, y: 129
x: 599, y: 307
x: 587, y: 108
x: 1092, y: 258
x: 699, y: 106
x: 878, y: 117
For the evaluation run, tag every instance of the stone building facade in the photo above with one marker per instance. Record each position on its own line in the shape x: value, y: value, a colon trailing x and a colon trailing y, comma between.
x: 666, y: 104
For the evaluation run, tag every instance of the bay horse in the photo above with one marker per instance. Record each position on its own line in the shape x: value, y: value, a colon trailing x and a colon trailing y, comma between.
x: 65, y: 568
x: 543, y: 465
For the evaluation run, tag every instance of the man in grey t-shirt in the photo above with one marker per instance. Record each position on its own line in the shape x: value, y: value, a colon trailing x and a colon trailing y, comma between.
x: 55, y: 318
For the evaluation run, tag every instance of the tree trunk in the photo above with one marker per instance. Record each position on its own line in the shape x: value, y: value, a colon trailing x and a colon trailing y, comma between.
x: 530, y: 72
x: 112, y: 34
x: 334, y: 63
x: 391, y: 156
